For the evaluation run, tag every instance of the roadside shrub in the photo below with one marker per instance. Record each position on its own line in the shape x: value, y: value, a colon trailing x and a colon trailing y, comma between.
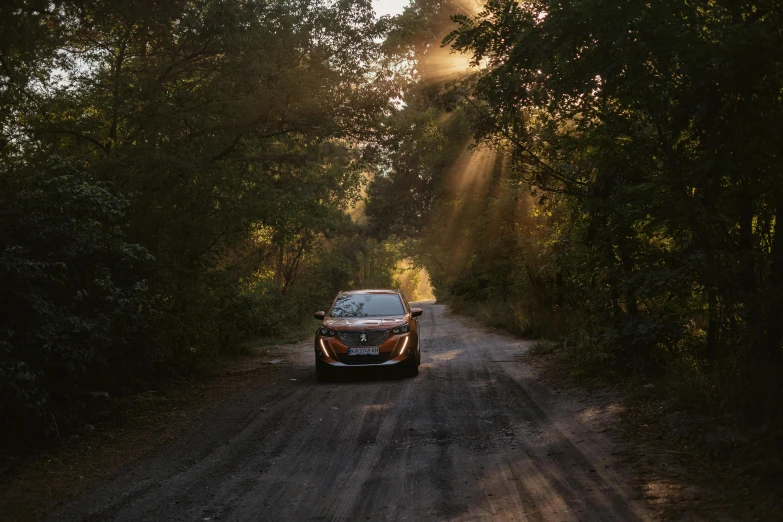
x: 688, y: 384
x: 75, y: 305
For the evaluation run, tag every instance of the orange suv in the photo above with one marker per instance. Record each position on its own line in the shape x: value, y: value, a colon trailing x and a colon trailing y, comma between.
x: 368, y: 328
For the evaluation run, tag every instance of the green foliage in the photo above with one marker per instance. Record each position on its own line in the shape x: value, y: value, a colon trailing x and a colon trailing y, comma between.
x: 76, y: 306
x: 622, y: 192
x: 226, y: 139
x: 689, y: 384
x: 649, y: 136
x: 401, y: 197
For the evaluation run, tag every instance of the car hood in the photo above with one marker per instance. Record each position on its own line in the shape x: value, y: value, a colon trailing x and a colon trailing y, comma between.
x: 362, y: 323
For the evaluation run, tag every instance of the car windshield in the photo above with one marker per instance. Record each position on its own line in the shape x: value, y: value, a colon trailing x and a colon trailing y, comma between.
x: 367, y: 305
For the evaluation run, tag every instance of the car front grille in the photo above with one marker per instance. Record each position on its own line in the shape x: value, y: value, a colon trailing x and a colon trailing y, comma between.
x: 368, y: 338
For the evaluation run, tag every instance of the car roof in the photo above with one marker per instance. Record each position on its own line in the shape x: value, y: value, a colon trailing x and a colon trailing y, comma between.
x: 370, y: 291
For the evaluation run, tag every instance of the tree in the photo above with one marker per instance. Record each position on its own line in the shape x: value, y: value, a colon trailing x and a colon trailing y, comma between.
x: 76, y: 310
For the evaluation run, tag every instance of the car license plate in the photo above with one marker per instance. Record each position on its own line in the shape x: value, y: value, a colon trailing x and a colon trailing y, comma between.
x: 370, y: 350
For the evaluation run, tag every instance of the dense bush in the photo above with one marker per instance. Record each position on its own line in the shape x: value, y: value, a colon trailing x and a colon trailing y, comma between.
x: 76, y: 307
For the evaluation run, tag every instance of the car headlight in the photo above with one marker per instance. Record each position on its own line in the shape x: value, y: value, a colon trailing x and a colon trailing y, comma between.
x: 403, y: 328
x: 327, y: 332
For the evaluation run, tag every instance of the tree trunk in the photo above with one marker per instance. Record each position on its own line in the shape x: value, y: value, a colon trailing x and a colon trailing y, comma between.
x: 774, y: 318
x: 713, y: 326
x: 753, y: 309
x: 116, y: 78
x: 748, y: 273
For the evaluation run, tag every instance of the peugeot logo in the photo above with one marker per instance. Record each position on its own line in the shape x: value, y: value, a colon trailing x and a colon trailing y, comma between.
x: 363, y: 338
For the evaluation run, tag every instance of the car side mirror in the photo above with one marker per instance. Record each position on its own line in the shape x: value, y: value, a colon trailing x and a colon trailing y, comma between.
x: 319, y: 315
x: 416, y: 312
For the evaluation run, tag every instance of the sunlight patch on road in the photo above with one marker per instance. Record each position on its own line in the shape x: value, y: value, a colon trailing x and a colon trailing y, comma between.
x: 445, y: 356
x: 375, y: 408
x: 599, y: 417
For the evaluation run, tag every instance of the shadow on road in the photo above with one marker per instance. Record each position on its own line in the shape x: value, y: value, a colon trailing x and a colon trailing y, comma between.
x: 368, y: 375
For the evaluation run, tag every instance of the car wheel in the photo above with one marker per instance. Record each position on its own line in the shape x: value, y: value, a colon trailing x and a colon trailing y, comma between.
x: 322, y: 372
x: 411, y: 369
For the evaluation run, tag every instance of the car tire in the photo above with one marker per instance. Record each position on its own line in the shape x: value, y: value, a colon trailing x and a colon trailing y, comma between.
x: 411, y: 369
x: 322, y: 372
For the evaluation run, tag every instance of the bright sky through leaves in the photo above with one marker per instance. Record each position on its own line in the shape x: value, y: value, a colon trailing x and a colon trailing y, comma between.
x: 389, y: 7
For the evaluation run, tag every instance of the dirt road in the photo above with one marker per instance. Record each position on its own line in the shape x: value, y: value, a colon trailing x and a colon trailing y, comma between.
x: 474, y: 437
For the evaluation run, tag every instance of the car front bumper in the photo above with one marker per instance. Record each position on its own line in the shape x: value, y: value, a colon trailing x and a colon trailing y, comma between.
x: 396, y: 350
